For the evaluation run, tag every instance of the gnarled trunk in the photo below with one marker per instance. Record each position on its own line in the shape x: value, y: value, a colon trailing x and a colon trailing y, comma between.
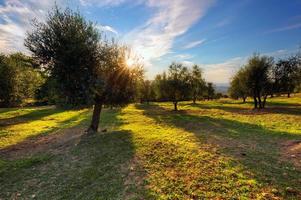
x: 175, y: 106
x: 95, y: 117
x: 255, y: 102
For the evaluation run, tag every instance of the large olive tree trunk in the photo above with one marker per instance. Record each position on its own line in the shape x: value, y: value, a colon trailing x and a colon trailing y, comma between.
x: 95, y: 117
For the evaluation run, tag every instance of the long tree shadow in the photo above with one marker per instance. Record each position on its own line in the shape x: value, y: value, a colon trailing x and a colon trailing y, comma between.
x: 271, y: 108
x: 98, y: 166
x: 253, y: 146
x: 30, y: 116
x: 30, y: 141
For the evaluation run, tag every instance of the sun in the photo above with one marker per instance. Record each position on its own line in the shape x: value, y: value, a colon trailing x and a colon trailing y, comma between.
x: 130, y: 61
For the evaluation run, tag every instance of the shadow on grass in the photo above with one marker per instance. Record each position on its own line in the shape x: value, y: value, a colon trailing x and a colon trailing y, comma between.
x: 271, y: 108
x: 30, y: 116
x: 100, y: 166
x: 80, y: 119
x: 253, y: 146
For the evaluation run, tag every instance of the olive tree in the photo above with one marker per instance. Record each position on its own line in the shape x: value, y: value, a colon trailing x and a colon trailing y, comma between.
x: 197, y: 83
x: 86, y: 69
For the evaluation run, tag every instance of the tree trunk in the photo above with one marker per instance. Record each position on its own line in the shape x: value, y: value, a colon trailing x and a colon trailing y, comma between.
x: 259, y: 102
x: 244, y: 99
x: 255, y: 102
x: 264, y: 101
x: 194, y: 100
x: 95, y: 118
x: 288, y: 95
x: 175, y: 106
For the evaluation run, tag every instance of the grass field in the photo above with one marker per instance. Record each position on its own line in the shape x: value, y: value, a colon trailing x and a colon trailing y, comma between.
x: 211, y: 150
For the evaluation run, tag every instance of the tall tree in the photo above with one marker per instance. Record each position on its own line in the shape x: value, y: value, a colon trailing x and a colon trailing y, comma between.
x: 197, y: 83
x: 68, y: 47
x: 87, y: 70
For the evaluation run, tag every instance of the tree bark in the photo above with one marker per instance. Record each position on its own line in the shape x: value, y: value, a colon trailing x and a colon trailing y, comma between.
x: 244, y: 99
x: 175, y: 106
x: 288, y: 95
x: 264, y: 101
x: 95, y: 118
x: 255, y: 102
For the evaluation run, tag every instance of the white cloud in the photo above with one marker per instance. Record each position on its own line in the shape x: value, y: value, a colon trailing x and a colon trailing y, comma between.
x: 16, y: 18
x: 194, y: 44
x: 183, y: 56
x: 107, y: 29
x: 171, y: 19
x: 222, y: 72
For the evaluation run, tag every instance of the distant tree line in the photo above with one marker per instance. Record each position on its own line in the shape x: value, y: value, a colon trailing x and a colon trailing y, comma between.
x: 179, y: 83
x: 262, y: 77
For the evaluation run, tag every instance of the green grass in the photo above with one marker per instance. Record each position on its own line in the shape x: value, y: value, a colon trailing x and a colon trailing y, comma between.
x: 211, y: 150
x: 20, y: 124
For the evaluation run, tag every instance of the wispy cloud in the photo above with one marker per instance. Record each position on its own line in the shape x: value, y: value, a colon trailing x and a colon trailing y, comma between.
x: 171, y: 19
x: 194, y: 44
x: 183, y: 56
x: 107, y: 29
x: 285, y: 28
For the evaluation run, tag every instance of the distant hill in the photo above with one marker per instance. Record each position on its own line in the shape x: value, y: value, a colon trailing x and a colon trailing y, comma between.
x: 222, y: 88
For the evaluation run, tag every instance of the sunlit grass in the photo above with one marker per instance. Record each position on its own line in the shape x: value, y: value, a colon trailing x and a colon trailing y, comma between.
x: 212, y: 150
x: 17, y: 125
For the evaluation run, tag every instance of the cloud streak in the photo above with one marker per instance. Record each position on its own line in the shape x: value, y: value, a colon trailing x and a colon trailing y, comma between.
x: 194, y: 44
x: 171, y: 19
x: 285, y: 28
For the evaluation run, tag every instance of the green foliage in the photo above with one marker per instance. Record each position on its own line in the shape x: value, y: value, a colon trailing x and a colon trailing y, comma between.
x: 238, y: 86
x: 147, y: 91
x: 197, y: 83
x: 178, y: 87
x: 19, y: 80
x: 210, y: 91
x: 287, y: 75
x: 254, y: 79
x: 67, y: 46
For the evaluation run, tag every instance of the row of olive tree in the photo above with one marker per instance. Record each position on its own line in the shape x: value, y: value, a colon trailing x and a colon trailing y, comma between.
x: 178, y: 84
x: 82, y: 68
x: 262, y: 77
x: 19, y: 79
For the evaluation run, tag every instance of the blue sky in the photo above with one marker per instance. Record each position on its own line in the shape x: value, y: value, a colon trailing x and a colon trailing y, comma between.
x: 219, y: 35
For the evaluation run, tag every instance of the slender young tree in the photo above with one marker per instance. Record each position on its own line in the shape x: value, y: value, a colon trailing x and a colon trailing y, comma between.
x: 238, y: 87
x: 178, y: 86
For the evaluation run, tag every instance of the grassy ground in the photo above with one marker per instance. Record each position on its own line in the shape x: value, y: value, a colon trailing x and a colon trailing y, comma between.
x: 211, y: 150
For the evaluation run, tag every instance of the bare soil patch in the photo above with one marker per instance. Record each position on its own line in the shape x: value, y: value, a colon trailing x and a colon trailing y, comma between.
x: 291, y: 150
